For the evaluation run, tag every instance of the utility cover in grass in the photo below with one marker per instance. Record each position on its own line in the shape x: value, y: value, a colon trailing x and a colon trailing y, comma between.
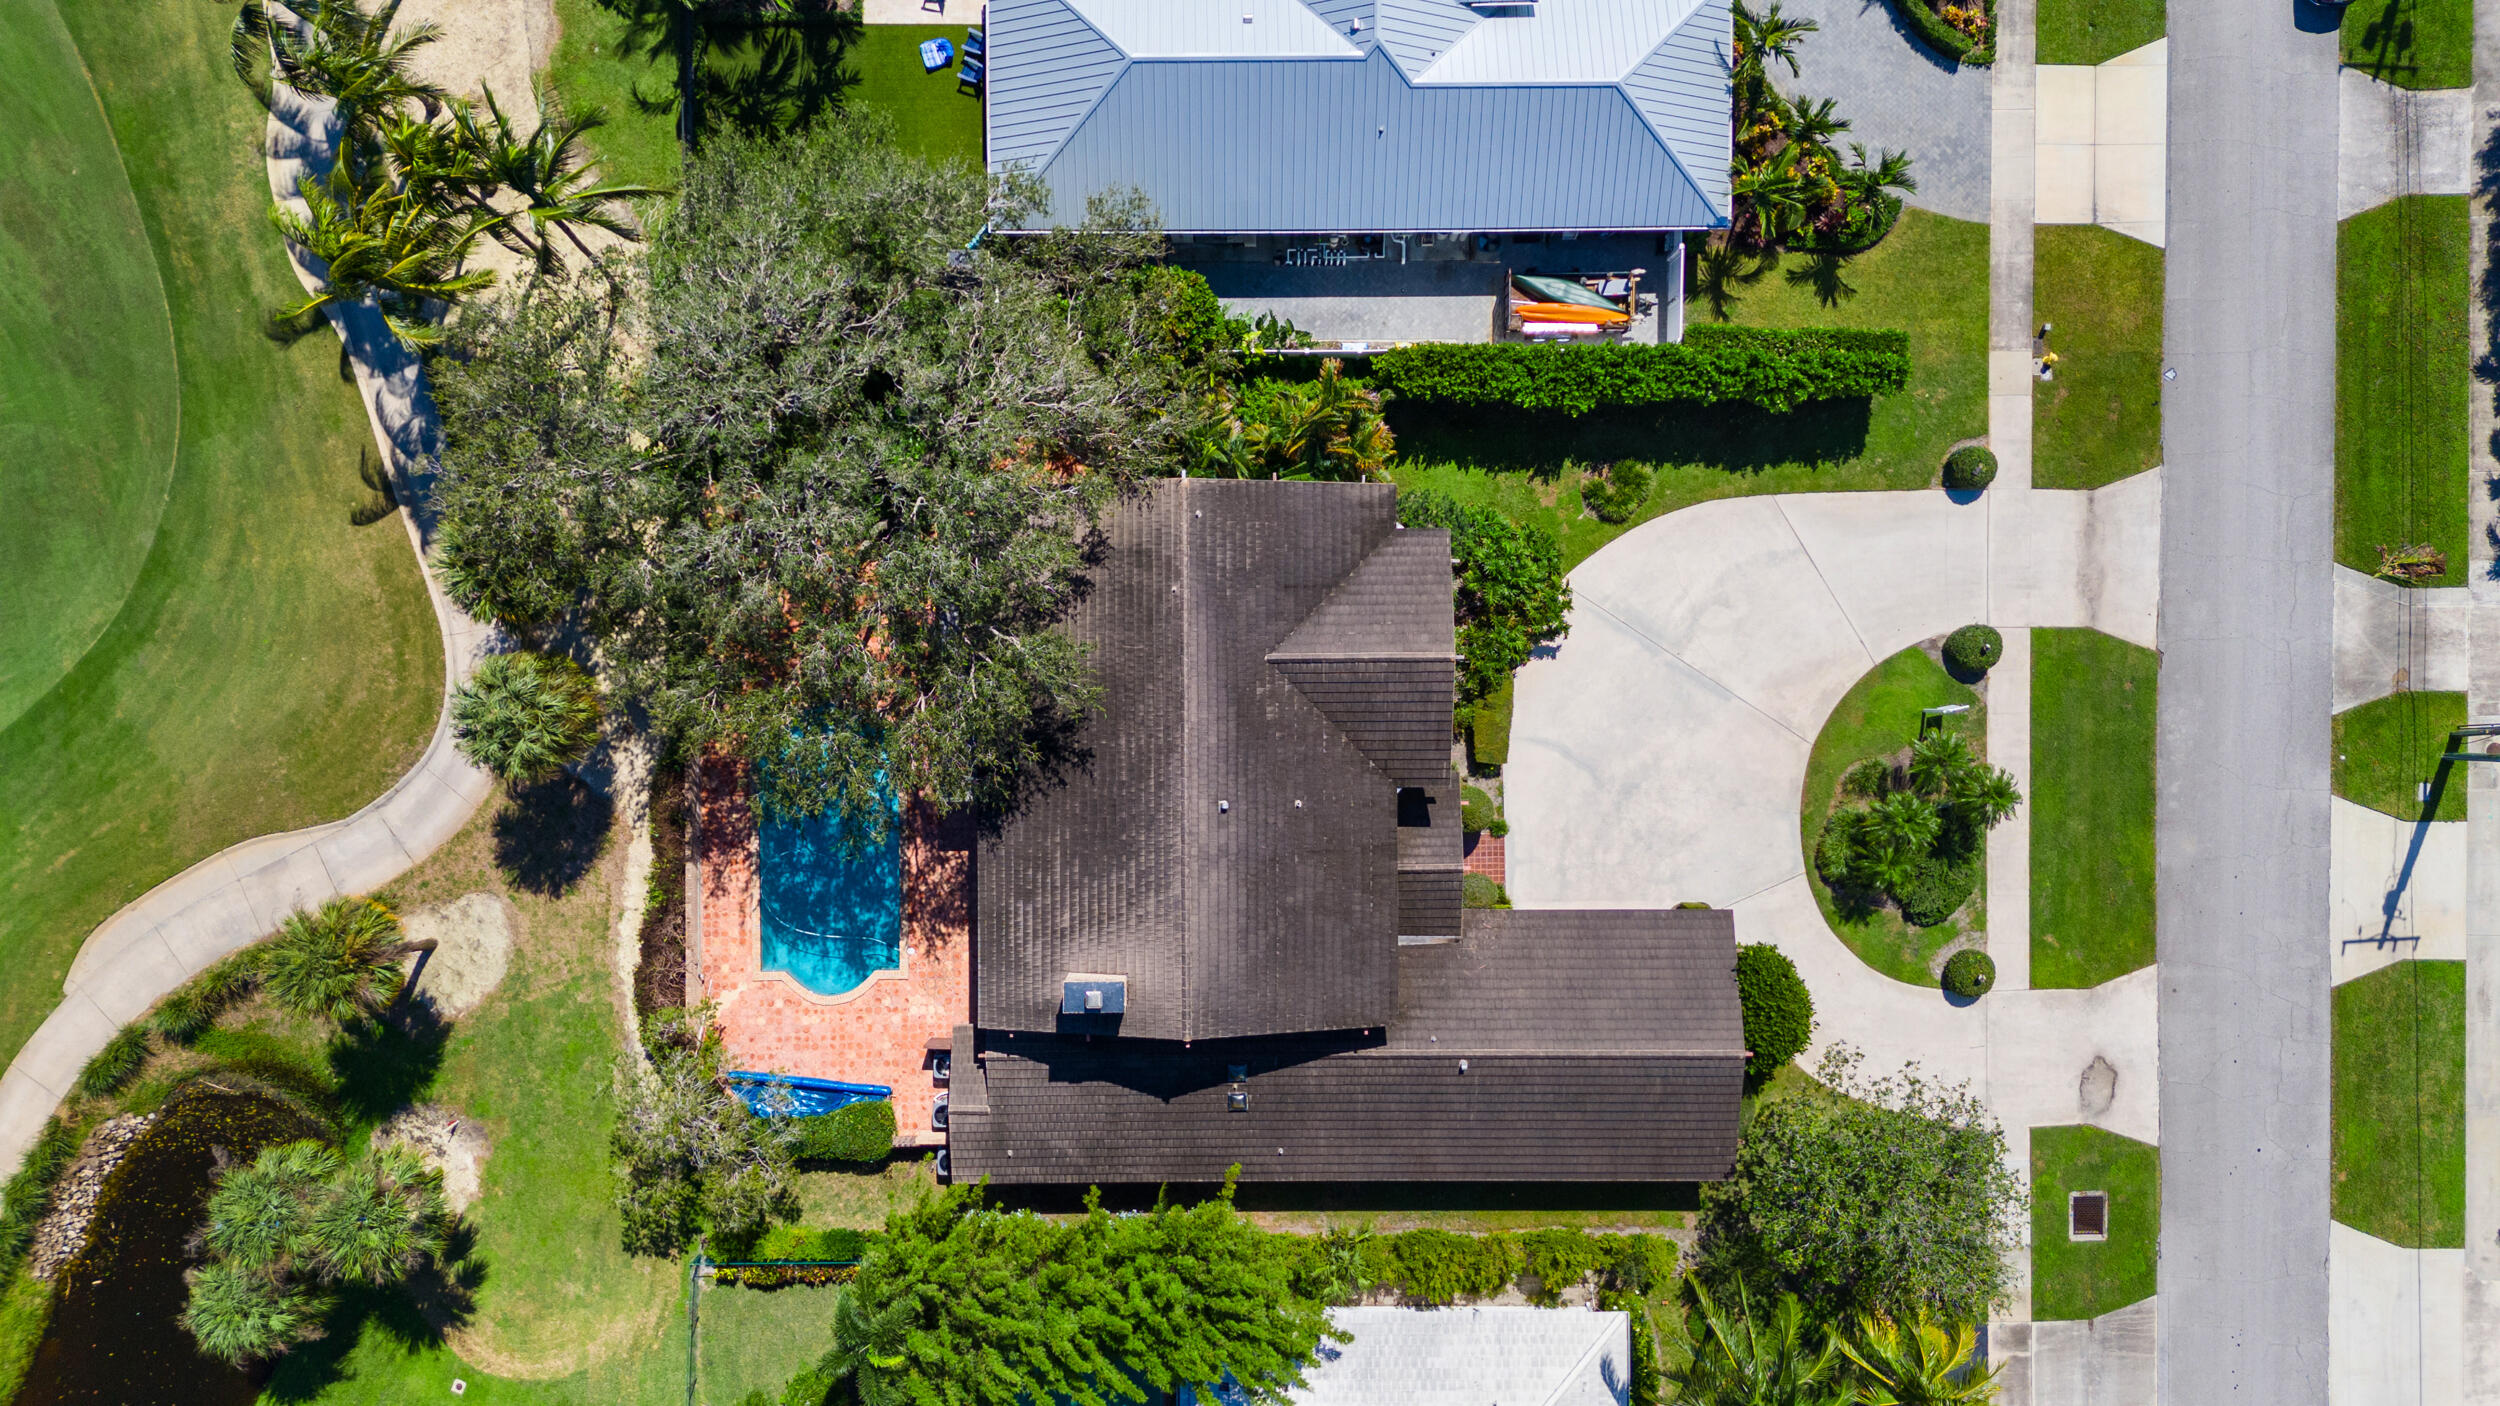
x: 2386, y: 748
x: 2086, y: 1278
x: 2400, y: 1104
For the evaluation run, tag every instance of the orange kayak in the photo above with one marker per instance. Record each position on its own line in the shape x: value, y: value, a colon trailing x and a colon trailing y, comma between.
x: 1568, y: 312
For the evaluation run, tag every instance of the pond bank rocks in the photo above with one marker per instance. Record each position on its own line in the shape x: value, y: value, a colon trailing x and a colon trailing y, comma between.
x: 63, y: 1233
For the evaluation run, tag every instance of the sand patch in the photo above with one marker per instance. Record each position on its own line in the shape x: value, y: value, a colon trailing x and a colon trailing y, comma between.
x: 473, y: 951
x: 449, y: 1143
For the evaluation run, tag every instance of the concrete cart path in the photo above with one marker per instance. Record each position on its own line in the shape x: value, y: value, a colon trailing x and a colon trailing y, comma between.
x: 1658, y: 753
x: 240, y: 894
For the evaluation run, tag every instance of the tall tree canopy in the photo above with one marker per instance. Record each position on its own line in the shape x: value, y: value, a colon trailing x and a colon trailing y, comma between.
x: 815, y: 470
x: 960, y: 1305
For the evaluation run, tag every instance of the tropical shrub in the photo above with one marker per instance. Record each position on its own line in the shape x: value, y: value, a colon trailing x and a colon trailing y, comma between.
x: 1974, y: 649
x: 1970, y: 468
x: 1715, y: 364
x: 1789, y: 187
x: 793, y: 1242
x: 1329, y: 427
x: 689, y: 1154
x: 526, y: 716
x: 1440, y: 1266
x: 1488, y: 726
x: 1559, y: 1259
x: 1892, y: 1197
x: 1511, y: 593
x: 1779, y: 1011
x: 1617, y: 494
x: 1921, y: 847
x: 1938, y: 888
x: 783, y: 1276
x: 1480, y: 891
x: 1970, y: 972
x: 855, y: 1132
x: 1964, y: 31
x: 194, y: 1006
x: 1868, y: 780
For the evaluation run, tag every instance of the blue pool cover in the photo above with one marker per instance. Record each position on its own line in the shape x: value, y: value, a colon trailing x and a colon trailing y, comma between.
x: 807, y: 1097
x: 832, y: 902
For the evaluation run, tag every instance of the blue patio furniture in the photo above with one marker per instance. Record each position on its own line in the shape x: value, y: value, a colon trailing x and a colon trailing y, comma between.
x: 969, y: 76
x: 936, y: 54
x: 973, y: 46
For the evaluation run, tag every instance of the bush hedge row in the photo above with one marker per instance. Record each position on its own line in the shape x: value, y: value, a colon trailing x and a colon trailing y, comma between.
x: 855, y: 1132
x: 1944, y: 38
x: 1777, y: 370
x: 1440, y: 1266
x: 1779, y: 1011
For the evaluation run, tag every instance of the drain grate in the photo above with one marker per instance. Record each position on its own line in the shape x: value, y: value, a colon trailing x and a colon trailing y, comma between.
x: 2087, y: 1215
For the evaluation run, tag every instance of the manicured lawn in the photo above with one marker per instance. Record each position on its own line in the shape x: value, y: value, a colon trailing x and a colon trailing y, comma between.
x: 1926, y: 279
x: 2092, y: 729
x: 87, y: 402
x: 2099, y: 420
x: 596, y: 63
x: 2400, y: 382
x: 2411, y: 43
x: 1877, y: 718
x: 2387, y: 747
x: 2096, y: 31
x: 758, y: 1339
x: 2073, y: 1278
x: 2400, y: 1104
x: 270, y: 665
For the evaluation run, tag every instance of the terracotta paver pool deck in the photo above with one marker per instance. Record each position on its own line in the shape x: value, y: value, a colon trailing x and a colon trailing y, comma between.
x: 879, y: 1033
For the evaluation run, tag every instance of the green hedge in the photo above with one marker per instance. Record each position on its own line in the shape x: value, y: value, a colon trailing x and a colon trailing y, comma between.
x: 1779, y: 1011
x: 1488, y: 728
x: 1440, y: 1266
x: 798, y: 1242
x: 855, y: 1132
x: 1944, y: 38
x: 1777, y: 370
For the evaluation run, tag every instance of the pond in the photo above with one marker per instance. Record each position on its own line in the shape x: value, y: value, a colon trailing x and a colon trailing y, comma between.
x: 113, y: 1335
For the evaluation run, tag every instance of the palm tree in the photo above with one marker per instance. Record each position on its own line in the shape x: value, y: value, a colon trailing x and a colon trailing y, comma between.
x: 1813, y: 123
x: 381, y: 1220
x: 335, y: 50
x: 1890, y: 172
x: 1770, y: 197
x: 1918, y: 1363
x: 390, y: 244
x: 1899, y: 831
x: 550, y: 172
x: 258, y: 1211
x: 237, y: 1316
x: 525, y: 716
x: 868, y: 1348
x: 1764, y: 39
x: 340, y: 962
x: 1986, y: 794
x: 1768, y: 1359
x: 1938, y: 760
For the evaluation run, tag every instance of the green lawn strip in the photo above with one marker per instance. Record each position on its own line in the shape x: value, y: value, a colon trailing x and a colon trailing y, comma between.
x: 2400, y: 382
x: 2096, y: 31
x: 1876, y: 718
x: 2093, y: 720
x: 2400, y: 1104
x: 2073, y: 1278
x: 934, y: 116
x: 758, y: 1339
x: 2387, y: 747
x: 2410, y: 43
x: 88, y: 404
x: 2099, y: 419
x: 272, y: 665
x: 1919, y: 280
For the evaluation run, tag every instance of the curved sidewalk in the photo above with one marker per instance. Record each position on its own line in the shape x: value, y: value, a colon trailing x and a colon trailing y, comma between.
x: 1658, y: 754
x: 238, y: 895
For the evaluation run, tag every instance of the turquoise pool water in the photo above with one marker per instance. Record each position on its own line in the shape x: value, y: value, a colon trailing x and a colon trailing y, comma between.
x: 832, y: 904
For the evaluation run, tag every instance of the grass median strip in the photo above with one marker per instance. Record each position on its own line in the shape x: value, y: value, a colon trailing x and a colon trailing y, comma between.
x: 2096, y: 31
x: 2073, y: 1278
x: 2411, y: 43
x: 2400, y: 384
x: 2386, y: 748
x: 2093, y: 718
x: 2399, y: 1120
x: 2098, y: 419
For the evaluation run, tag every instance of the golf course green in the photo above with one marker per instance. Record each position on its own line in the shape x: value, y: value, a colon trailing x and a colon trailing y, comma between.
x: 197, y: 645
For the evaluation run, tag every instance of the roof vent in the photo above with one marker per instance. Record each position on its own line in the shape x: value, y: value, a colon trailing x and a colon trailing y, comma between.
x: 1236, y: 1072
x: 1237, y: 1101
x: 1084, y: 993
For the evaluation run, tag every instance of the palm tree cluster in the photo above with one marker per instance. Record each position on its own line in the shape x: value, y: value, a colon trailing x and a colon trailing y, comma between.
x: 295, y: 1223
x: 1780, y: 1357
x: 1790, y: 187
x: 1329, y: 428
x: 525, y: 716
x: 1916, y: 836
x: 420, y: 176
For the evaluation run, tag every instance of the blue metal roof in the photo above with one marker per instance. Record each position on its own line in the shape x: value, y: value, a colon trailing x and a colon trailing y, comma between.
x: 1576, y: 126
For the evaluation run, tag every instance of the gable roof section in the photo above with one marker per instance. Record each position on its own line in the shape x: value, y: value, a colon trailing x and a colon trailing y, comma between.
x: 1506, y: 1353
x: 1425, y: 114
x: 1228, y: 844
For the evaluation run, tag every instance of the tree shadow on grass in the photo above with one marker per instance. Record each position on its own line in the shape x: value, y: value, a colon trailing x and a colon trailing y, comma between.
x: 549, y: 835
x: 1734, y: 437
x: 382, y: 1066
x: 416, y: 1316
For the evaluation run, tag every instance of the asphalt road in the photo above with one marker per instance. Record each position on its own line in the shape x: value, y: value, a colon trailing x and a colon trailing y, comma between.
x: 2246, y: 687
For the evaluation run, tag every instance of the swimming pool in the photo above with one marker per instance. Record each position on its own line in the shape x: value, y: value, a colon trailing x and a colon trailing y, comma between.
x: 832, y: 904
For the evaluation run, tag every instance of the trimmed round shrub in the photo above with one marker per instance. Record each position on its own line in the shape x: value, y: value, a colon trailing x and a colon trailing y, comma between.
x: 1970, y: 468
x: 1974, y: 649
x: 1970, y: 972
x: 855, y: 1132
x: 1869, y: 779
x: 1779, y: 1012
x: 1476, y: 811
x: 1936, y: 889
x: 1479, y: 891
